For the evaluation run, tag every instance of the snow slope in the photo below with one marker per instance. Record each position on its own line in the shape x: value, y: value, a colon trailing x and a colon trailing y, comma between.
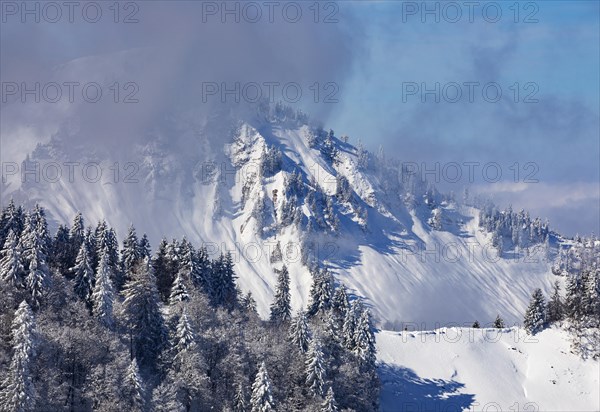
x: 457, y: 369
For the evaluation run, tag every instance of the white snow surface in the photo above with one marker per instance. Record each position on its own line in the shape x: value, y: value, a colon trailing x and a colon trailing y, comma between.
x: 456, y: 369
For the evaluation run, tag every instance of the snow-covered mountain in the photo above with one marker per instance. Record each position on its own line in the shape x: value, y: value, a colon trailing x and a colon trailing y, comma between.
x: 272, y: 181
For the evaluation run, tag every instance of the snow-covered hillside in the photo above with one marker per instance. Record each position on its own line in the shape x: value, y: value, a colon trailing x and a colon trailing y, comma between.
x: 279, y: 180
x: 458, y: 369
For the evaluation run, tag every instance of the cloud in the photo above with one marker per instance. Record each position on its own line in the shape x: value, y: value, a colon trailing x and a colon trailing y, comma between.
x: 170, y: 55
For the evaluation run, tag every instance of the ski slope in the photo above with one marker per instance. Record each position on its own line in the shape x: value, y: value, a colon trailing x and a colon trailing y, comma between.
x: 458, y: 369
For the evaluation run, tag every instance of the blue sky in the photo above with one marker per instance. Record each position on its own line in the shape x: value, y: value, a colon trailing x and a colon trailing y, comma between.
x: 560, y: 133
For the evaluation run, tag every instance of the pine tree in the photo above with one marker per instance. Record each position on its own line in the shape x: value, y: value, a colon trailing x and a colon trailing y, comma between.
x: 11, y: 219
x: 315, y: 368
x: 76, y: 238
x: 60, y: 258
x: 39, y: 223
x: 239, y: 400
x: 535, y: 316
x: 223, y: 282
x: 142, y: 311
x: 362, y: 156
x: 281, y: 310
x: 320, y: 292
x: 33, y: 245
x: 555, y: 305
x: 574, y: 298
x: 179, y: 291
x: 350, y: 323
x: 328, y: 148
x: 476, y: 325
x: 11, y: 269
x: 329, y: 404
x: 100, y: 242
x: 130, y: 254
x: 201, y: 275
x: 38, y: 278
x: 592, y: 298
x: 340, y: 302
x: 160, y: 265
x: 84, y: 274
x: 106, y: 238
x: 248, y: 303
x: 103, y: 293
x: 299, y: 333
x: 134, y: 388
x: 262, y: 400
x: 185, y: 338
x: 499, y: 322
x: 145, y: 249
x: 112, y: 246
x: 364, y: 339
x: 18, y: 392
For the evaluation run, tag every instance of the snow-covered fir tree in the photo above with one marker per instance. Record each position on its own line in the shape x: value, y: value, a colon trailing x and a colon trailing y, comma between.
x: 329, y: 404
x: 185, y: 338
x: 555, y: 305
x: 591, y: 301
x: 270, y: 162
x: 262, y: 399
x: 350, y: 322
x: 103, y: 294
x: 83, y: 273
x: 179, y: 292
x: 201, y: 272
x: 281, y: 310
x: 240, y: 403
x: 38, y: 222
x: 162, y: 270
x: 59, y: 256
x: 34, y: 247
x: 145, y: 249
x: 11, y: 218
x: 18, y: 391
x: 134, y: 389
x: 320, y: 292
x: 223, y: 281
x: 362, y: 156
x: 130, y: 253
x: 141, y: 308
x: 574, y: 297
x: 328, y: 148
x: 76, y: 238
x: 248, y: 303
x: 315, y: 368
x: 364, y: 339
x: 276, y: 254
x: 535, y: 316
x: 299, y: 333
x: 340, y: 303
x: 499, y: 322
x: 37, y: 279
x: 10, y: 261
